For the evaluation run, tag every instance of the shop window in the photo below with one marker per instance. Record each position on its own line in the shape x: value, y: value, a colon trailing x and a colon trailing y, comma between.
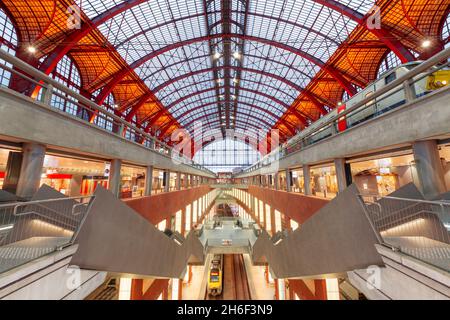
x: 444, y: 153
x: 158, y: 185
x: 324, y: 182
x: 298, y: 182
x: 74, y: 177
x: 385, y: 175
x: 132, y: 182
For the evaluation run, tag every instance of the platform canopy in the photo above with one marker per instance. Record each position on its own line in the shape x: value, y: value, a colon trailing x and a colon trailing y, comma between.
x: 242, y: 65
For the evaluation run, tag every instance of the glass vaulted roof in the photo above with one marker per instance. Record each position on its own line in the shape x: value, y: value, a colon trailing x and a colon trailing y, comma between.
x: 236, y: 64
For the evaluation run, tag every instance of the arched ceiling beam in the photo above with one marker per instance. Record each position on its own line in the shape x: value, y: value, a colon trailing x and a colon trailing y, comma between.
x: 257, y: 120
x: 155, y: 90
x: 119, y: 76
x: 265, y: 85
x: 297, y: 25
x: 188, y: 112
x: 249, y: 129
x: 51, y: 61
x: 381, y: 33
x: 277, y: 101
x: 298, y: 88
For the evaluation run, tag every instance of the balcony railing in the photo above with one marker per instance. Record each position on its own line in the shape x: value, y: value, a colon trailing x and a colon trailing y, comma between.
x: 50, y: 90
x: 393, y: 95
x: 30, y: 230
x: 418, y: 228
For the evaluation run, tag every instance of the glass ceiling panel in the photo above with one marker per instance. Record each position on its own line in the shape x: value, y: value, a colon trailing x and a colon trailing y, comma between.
x: 300, y: 24
x: 93, y: 8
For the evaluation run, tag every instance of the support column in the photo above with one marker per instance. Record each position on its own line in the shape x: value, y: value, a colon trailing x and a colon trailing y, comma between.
x: 275, y: 181
x: 429, y: 168
x: 178, y: 181
x: 148, y: 181
x: 114, y: 176
x: 31, y: 170
x: 166, y: 181
x: 12, y: 175
x: 288, y: 180
x: 307, y: 179
x: 341, y: 178
x: 186, y: 181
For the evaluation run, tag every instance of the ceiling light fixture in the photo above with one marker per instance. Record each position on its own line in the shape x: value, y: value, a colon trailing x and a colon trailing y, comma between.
x: 32, y: 49
x: 426, y: 43
x: 216, y: 55
x: 236, y: 55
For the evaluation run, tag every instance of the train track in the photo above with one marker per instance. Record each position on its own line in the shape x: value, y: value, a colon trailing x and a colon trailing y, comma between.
x: 235, y: 281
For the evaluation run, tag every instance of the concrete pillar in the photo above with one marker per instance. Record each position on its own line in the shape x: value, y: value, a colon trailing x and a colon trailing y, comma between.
x: 114, y: 176
x: 288, y: 180
x: 12, y: 175
x: 339, y: 165
x: 178, y: 181
x: 429, y: 168
x: 31, y: 170
x: 307, y: 179
x: 275, y: 181
x: 148, y: 181
x: 166, y: 181
x: 186, y: 181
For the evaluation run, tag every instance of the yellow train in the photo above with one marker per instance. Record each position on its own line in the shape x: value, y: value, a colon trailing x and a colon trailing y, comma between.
x: 215, y: 276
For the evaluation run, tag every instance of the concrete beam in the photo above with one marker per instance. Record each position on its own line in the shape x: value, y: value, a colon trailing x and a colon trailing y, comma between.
x: 24, y: 120
x: 398, y: 128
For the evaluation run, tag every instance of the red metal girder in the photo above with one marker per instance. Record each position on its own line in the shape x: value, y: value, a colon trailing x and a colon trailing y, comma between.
x: 237, y: 127
x: 249, y: 70
x: 124, y: 72
x: 215, y: 102
x: 384, y: 35
x: 193, y: 94
x: 285, y: 105
x: 147, y: 96
x: 256, y: 14
x: 50, y: 63
x: 212, y: 114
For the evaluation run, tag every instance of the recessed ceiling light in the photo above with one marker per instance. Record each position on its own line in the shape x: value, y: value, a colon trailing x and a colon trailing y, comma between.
x: 32, y: 49
x: 426, y: 43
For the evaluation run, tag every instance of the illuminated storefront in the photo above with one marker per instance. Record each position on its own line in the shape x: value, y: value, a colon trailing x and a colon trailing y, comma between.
x: 74, y: 177
x: 298, y: 182
x: 132, y: 182
x: 384, y: 176
x: 324, y: 182
x: 444, y: 152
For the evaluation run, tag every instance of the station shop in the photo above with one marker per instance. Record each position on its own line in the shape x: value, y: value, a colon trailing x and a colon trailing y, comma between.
x: 79, y: 177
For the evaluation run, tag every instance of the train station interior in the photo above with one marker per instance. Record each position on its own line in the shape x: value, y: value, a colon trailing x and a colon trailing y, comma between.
x: 224, y: 150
